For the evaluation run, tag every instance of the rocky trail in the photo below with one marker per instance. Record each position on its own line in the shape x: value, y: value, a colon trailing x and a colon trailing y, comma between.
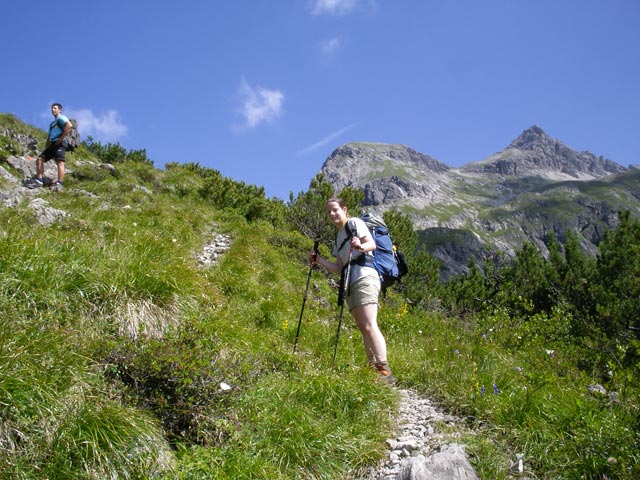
x: 420, y: 450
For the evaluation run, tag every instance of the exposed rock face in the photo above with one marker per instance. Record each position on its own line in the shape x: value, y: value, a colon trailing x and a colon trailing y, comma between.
x: 534, y: 153
x: 535, y: 185
x: 386, y: 173
x: 454, y: 248
x: 28, y: 144
x: 14, y: 193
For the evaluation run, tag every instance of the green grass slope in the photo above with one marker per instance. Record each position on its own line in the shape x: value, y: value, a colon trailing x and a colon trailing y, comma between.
x: 123, y: 357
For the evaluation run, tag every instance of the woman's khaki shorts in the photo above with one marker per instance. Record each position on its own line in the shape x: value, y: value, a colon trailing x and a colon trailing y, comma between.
x: 364, y: 291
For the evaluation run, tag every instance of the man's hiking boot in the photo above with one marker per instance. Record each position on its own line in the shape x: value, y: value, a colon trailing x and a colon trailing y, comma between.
x: 34, y: 182
x: 385, y: 372
x: 58, y: 186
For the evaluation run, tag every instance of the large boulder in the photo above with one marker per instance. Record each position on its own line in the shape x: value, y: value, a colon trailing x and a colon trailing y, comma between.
x: 450, y: 463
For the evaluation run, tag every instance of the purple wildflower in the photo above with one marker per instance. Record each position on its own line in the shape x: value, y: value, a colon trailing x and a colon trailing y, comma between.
x: 495, y: 389
x: 482, y: 391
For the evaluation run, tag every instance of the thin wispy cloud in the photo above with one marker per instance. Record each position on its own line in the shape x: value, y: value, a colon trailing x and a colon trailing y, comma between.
x: 329, y: 48
x: 328, y: 139
x: 104, y: 127
x: 332, y: 7
x: 259, y: 104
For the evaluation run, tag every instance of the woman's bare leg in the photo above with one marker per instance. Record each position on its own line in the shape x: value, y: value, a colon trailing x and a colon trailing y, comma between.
x: 366, y: 318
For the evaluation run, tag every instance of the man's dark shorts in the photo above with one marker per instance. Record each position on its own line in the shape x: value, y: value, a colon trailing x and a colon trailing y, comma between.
x: 54, y: 151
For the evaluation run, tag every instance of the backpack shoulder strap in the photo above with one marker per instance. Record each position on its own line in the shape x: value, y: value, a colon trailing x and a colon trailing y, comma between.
x: 57, y: 123
x: 348, y: 237
x: 348, y: 229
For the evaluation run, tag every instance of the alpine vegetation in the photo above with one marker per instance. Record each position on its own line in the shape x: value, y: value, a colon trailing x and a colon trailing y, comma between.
x: 166, y: 323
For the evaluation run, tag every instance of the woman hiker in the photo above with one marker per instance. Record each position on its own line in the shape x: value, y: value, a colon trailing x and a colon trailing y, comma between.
x: 363, y: 286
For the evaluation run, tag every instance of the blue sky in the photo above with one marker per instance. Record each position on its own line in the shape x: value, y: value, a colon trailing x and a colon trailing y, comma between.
x: 265, y: 90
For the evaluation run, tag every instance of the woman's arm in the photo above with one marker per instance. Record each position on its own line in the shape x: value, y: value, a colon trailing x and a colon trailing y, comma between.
x: 334, y: 267
x: 363, y: 244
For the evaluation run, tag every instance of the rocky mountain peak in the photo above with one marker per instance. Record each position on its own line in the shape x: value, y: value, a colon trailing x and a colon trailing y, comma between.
x: 533, y: 138
x: 535, y: 154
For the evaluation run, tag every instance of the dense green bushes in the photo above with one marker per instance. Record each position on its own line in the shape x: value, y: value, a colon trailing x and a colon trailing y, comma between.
x: 115, y: 153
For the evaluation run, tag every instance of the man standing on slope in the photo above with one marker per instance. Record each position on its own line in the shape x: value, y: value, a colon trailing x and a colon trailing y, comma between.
x: 56, y: 148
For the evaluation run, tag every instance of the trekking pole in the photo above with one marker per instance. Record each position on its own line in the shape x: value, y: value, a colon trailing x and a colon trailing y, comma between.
x: 344, y: 293
x: 306, y: 291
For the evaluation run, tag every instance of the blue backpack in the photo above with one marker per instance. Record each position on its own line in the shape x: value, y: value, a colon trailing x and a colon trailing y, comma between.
x: 390, y: 263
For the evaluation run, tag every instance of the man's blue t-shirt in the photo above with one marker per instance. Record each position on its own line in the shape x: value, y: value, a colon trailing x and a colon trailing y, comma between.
x: 57, y: 127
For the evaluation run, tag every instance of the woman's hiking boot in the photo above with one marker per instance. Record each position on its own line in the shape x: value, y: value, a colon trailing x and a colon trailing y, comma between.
x: 384, y: 372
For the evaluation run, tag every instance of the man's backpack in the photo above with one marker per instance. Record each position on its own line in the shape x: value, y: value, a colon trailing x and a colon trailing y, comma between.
x: 72, y: 140
x: 390, y: 263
